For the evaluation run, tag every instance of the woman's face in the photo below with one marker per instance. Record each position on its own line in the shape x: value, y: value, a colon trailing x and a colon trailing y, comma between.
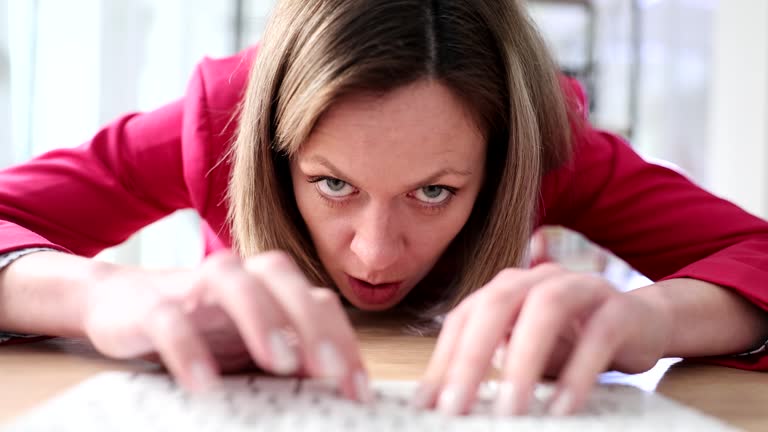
x: 384, y: 183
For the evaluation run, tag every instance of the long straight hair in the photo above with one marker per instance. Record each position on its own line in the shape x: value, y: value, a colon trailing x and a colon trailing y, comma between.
x: 486, y: 51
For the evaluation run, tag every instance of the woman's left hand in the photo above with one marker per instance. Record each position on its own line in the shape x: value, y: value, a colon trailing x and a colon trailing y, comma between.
x: 550, y: 322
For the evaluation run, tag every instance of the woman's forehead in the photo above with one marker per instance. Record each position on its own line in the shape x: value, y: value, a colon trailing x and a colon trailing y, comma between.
x: 397, y: 140
x: 424, y: 118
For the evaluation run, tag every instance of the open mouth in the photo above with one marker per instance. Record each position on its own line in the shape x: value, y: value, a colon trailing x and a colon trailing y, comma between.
x: 371, y: 294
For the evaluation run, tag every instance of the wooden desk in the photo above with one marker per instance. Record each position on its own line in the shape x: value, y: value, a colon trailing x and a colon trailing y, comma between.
x: 34, y: 372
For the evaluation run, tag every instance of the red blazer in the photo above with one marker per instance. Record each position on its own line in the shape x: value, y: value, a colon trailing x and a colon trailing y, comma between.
x: 144, y: 166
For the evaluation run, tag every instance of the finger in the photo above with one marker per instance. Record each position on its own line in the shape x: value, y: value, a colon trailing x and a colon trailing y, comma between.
x: 540, y: 249
x: 355, y: 385
x: 547, y: 309
x: 256, y: 313
x: 602, y: 336
x: 292, y: 291
x: 493, y: 312
x: 427, y: 391
x: 326, y: 351
x: 181, y: 348
x: 560, y: 354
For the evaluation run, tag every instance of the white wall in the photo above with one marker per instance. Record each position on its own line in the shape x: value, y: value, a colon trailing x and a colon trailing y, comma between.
x: 6, y: 157
x: 674, y: 82
x: 19, y: 46
x: 738, y: 153
x: 675, y: 63
x: 66, y: 73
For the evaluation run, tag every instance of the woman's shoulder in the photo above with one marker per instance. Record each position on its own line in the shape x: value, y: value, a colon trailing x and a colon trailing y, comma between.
x: 593, y: 159
x: 210, y: 118
x: 213, y: 96
x: 222, y: 81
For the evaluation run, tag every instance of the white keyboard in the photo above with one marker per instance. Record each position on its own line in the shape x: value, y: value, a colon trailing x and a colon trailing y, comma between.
x: 117, y: 401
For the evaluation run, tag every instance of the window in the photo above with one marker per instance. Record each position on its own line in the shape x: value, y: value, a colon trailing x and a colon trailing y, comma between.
x: 67, y: 68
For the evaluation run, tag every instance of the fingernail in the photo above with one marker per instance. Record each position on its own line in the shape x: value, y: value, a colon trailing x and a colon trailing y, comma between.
x: 331, y: 363
x: 284, y: 359
x: 562, y: 404
x: 204, y: 378
x: 506, y: 400
x: 424, y: 395
x: 452, y: 400
x: 362, y: 389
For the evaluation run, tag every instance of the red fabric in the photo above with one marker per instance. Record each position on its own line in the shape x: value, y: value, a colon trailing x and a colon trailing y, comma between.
x: 144, y: 166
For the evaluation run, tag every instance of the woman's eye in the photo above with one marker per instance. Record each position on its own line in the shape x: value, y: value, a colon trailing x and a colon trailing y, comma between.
x: 334, y: 187
x: 433, y: 194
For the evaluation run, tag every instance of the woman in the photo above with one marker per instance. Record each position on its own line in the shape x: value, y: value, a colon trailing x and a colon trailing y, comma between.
x: 399, y: 153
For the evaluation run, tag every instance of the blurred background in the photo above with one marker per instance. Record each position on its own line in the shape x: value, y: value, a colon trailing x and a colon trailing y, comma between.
x: 685, y: 81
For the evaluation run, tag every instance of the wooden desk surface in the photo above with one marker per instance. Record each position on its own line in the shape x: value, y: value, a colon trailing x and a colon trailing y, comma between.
x: 31, y: 373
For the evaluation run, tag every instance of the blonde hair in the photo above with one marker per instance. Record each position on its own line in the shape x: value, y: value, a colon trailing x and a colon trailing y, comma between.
x: 486, y: 51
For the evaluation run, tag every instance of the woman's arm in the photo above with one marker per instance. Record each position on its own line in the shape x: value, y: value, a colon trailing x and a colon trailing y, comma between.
x: 706, y: 319
x: 134, y: 171
x: 669, y: 229
x: 45, y: 293
x: 227, y: 314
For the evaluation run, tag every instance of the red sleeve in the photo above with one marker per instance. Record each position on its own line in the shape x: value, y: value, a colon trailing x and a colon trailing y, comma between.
x: 85, y: 199
x: 94, y: 196
x: 133, y: 172
x: 660, y: 222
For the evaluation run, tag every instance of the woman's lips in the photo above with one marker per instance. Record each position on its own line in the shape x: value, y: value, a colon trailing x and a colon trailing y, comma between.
x: 374, y: 294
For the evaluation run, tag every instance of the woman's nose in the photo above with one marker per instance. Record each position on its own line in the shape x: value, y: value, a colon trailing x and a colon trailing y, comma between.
x: 377, y: 242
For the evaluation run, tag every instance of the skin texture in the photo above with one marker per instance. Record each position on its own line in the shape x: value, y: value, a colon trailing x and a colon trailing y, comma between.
x: 379, y: 212
x: 548, y: 321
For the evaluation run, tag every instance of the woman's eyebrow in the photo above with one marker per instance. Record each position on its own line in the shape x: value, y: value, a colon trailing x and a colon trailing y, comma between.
x: 441, y: 173
x: 327, y: 164
x: 320, y: 160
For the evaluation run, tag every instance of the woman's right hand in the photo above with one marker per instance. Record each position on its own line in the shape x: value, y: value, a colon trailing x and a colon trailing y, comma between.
x: 226, y: 315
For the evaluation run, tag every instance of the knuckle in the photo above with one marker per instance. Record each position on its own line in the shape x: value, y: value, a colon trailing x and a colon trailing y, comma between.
x: 468, y: 302
x: 326, y: 296
x: 507, y: 274
x: 452, y: 319
x: 495, y: 296
x: 235, y: 285
x: 220, y: 260
x: 245, y: 291
x: 551, y: 295
x: 275, y: 259
x: 161, y: 319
